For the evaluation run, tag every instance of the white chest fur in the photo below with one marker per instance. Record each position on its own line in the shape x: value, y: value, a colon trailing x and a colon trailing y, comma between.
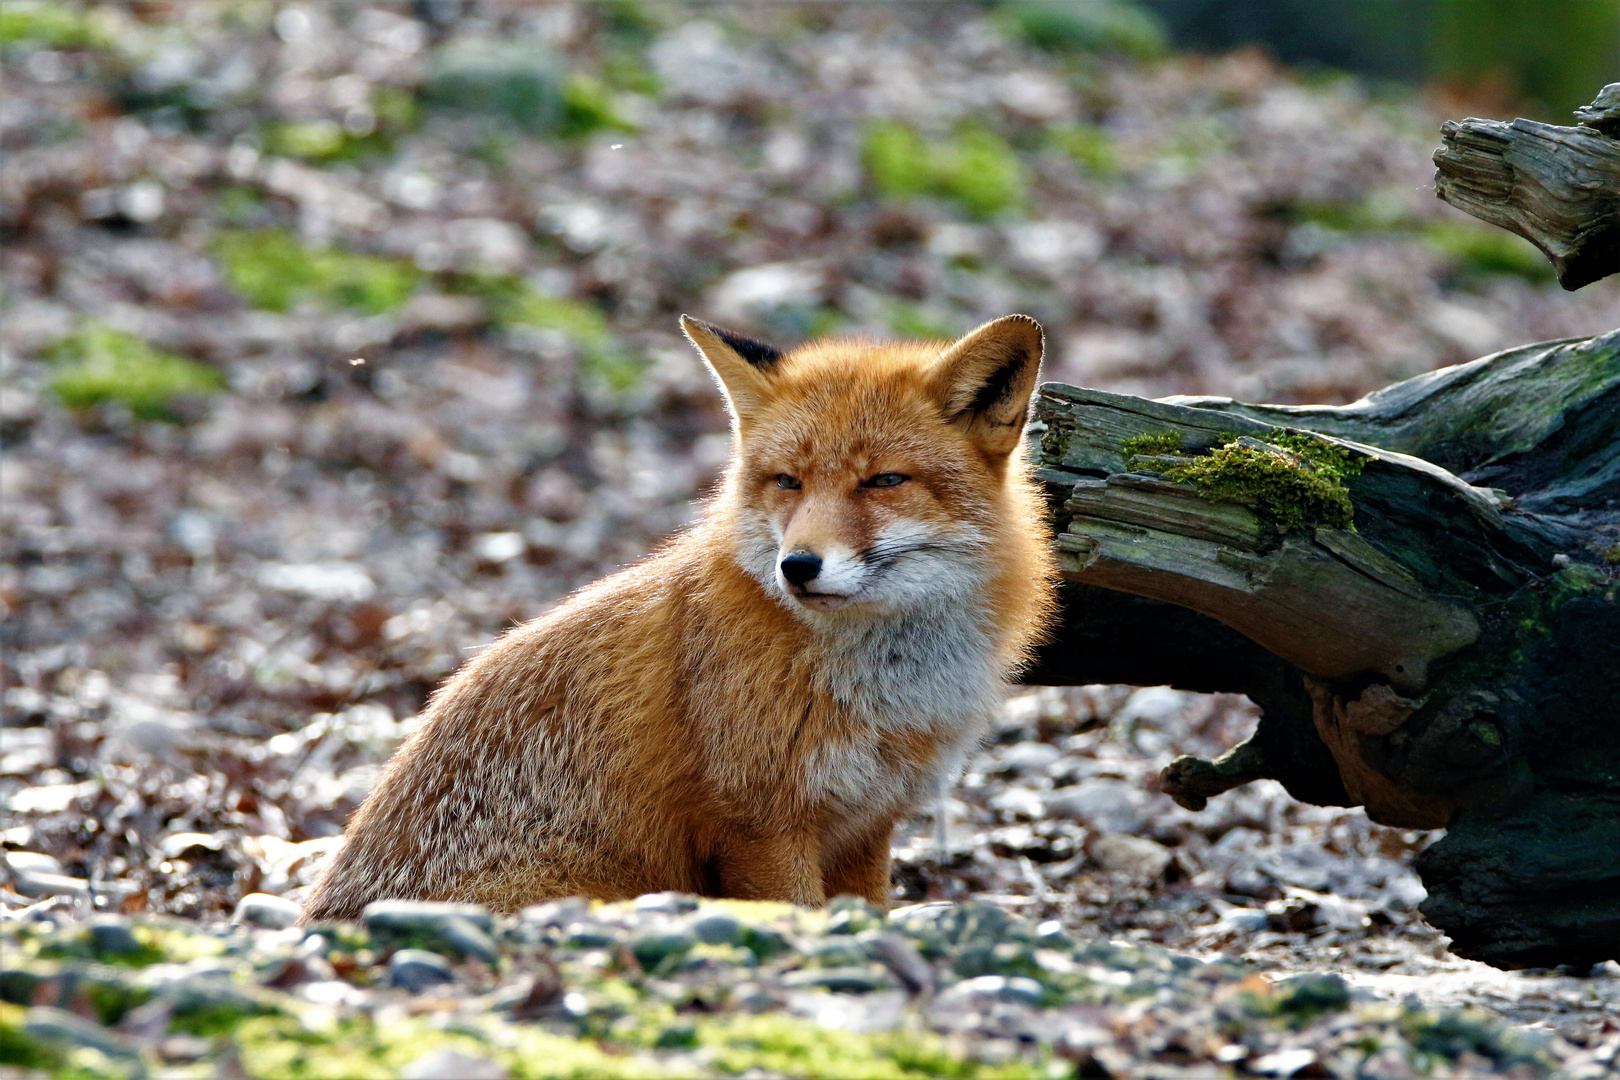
x: 929, y: 673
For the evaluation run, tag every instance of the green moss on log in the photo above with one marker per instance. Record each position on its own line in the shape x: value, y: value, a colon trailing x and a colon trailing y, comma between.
x: 1163, y: 442
x: 1295, y: 480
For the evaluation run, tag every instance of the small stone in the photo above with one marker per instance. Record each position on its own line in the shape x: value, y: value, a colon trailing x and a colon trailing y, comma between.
x: 1015, y: 989
x: 265, y: 910
x: 37, y: 885
x: 1283, y: 1062
x: 841, y: 980
x: 463, y: 938
x: 652, y: 947
x: 903, y: 960
x: 1004, y: 958
x: 32, y: 862
x: 542, y: 995
x: 1135, y: 857
x: 839, y: 953
x: 557, y: 913
x: 1241, y: 921
x: 715, y: 928
x: 1314, y: 993
x: 668, y: 903
x: 1105, y: 804
x: 452, y: 1065
x: 764, y: 942
x: 583, y: 935
x: 417, y: 969
x: 1027, y: 757
x: 750, y: 997
x: 176, y: 845
x: 462, y: 930
x: 111, y: 936
x: 443, y: 314
x: 295, y: 971
x: 64, y: 1028
x: 851, y: 915
x: 418, y: 916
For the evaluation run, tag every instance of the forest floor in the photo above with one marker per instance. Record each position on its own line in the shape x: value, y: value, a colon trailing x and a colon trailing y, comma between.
x: 333, y: 341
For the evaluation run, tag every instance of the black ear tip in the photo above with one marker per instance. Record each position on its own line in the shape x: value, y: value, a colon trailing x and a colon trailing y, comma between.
x: 757, y: 353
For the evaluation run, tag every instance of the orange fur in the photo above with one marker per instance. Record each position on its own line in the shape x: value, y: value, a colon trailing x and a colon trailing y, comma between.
x: 698, y: 722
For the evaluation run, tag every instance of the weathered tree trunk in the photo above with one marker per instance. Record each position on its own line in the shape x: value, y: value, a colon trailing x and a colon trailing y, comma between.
x: 1558, y: 187
x: 1419, y: 590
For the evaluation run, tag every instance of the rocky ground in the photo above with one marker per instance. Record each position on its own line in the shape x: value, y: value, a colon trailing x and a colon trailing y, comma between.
x: 335, y: 338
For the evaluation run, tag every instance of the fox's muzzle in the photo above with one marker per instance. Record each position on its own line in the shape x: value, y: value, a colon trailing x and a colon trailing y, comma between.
x: 800, y: 567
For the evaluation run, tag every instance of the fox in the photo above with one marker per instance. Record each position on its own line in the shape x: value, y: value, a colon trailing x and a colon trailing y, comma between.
x: 751, y: 710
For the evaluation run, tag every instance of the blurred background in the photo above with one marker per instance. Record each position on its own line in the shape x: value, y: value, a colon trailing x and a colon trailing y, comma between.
x: 335, y: 337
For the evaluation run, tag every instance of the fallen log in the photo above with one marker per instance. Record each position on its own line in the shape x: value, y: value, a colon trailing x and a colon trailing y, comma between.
x: 1418, y: 589
x: 1558, y: 187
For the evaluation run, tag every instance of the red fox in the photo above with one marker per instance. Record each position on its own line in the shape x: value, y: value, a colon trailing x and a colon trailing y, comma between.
x: 748, y: 712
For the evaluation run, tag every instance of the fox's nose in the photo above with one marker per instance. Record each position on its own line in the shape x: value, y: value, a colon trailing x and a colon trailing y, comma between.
x: 800, y: 566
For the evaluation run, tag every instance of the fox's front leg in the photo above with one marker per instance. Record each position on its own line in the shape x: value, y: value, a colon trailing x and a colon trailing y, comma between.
x: 862, y: 869
x: 786, y: 866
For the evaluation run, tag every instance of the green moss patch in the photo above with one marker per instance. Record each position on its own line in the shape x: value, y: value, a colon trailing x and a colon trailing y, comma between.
x: 1484, y: 249
x: 46, y: 25
x: 1164, y: 442
x: 1475, y: 248
x: 780, y: 1045
x: 1295, y: 481
x: 18, y: 1048
x: 509, y: 80
x: 1086, y: 145
x: 272, y: 270
x: 394, y: 113
x: 587, y: 107
x: 99, y: 364
x: 604, y: 362
x: 976, y: 168
x: 1097, y: 26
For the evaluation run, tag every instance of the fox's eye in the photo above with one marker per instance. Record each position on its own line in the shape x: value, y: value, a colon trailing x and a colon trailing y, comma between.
x: 783, y: 480
x: 887, y: 479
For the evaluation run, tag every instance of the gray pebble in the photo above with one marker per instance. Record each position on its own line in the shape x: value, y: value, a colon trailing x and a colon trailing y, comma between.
x: 716, y: 928
x: 417, y: 969
x: 418, y: 916
x: 32, y: 862
x: 452, y: 1065
x: 653, y: 947
x: 555, y: 912
x: 844, y: 980
x: 669, y: 903
x: 902, y: 958
x: 1011, y: 988
x: 764, y: 942
x: 64, y: 1028
x: 582, y: 935
x: 839, y: 952
x: 111, y: 936
x: 265, y: 910
x: 36, y: 885
x: 464, y: 938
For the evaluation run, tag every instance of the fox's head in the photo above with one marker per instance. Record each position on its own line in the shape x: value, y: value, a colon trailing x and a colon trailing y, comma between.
x: 876, y: 478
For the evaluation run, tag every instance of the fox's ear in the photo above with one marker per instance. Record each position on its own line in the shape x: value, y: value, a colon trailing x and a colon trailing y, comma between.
x: 983, y: 382
x: 742, y: 366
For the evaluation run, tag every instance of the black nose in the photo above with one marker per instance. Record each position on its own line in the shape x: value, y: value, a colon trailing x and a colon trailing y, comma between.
x: 800, y: 567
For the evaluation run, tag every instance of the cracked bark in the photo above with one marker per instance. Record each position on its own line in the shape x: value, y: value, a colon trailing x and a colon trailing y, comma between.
x: 1451, y: 661
x: 1558, y: 187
